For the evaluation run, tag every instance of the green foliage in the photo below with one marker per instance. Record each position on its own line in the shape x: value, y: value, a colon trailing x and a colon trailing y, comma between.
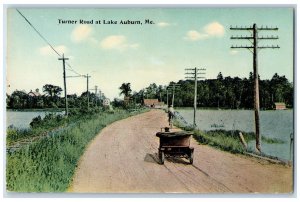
x: 48, y: 164
x: 125, y: 89
x: 229, y: 140
x: 52, y: 90
x: 223, y: 92
x: 271, y: 140
x: 51, y: 121
x: 36, y: 121
x: 18, y: 99
x: 14, y: 134
x: 226, y: 141
x: 51, y: 99
x: 222, y: 139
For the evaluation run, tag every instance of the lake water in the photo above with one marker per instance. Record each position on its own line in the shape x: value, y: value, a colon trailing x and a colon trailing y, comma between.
x: 274, y: 124
x: 22, y: 119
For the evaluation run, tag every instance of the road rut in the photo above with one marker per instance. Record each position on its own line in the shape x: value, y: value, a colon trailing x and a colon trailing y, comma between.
x: 123, y: 159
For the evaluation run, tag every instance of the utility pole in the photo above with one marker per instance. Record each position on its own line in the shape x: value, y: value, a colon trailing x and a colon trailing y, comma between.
x: 96, y: 88
x: 65, y: 85
x: 87, y: 90
x: 167, y: 97
x: 173, y: 86
x: 254, y: 39
x: 194, y: 75
x: 100, y: 96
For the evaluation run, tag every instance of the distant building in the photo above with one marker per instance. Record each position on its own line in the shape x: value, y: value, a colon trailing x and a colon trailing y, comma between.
x: 280, y: 105
x: 34, y: 94
x: 106, y: 102
x: 152, y: 103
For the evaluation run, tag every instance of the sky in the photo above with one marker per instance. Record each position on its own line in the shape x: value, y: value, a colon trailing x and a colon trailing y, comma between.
x: 140, y: 54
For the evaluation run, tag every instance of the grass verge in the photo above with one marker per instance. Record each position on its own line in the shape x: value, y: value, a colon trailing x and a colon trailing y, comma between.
x: 225, y: 140
x: 48, y: 164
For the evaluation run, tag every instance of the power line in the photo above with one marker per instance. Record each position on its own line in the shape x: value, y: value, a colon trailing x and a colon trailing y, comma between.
x: 71, y: 69
x: 38, y: 33
x: 87, y: 89
x: 65, y: 85
x: 193, y: 74
x: 173, y: 86
x: 254, y: 38
x: 61, y: 57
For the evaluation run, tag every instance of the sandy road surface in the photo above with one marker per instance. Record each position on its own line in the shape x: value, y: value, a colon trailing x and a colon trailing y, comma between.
x: 123, y: 158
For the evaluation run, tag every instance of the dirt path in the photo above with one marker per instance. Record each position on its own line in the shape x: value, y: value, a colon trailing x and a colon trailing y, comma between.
x: 123, y: 159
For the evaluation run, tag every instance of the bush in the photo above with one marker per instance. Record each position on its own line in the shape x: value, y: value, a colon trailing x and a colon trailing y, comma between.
x: 36, y: 121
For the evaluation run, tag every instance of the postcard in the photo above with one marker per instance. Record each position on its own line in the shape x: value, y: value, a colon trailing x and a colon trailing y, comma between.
x: 150, y: 100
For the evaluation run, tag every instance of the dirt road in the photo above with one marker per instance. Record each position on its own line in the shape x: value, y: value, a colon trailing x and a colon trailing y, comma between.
x: 123, y: 159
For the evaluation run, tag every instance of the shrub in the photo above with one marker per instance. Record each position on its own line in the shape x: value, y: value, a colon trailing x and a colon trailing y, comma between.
x: 36, y: 121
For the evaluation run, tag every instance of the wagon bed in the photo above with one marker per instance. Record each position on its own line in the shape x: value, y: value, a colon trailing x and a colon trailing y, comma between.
x: 175, y: 144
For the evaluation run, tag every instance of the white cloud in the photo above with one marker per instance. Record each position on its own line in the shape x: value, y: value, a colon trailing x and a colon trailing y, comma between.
x: 233, y: 52
x: 163, y: 24
x: 47, y: 50
x: 213, y: 29
x: 81, y: 33
x: 114, y: 42
x: 194, y: 35
x: 117, y: 42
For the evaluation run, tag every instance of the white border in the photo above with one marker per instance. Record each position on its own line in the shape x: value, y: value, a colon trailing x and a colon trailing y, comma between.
x: 136, y: 3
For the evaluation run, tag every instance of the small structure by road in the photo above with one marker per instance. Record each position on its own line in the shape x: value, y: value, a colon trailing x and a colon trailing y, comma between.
x: 153, y: 103
x: 280, y: 105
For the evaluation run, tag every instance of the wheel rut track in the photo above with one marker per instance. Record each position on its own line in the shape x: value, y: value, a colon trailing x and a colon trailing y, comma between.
x: 123, y: 159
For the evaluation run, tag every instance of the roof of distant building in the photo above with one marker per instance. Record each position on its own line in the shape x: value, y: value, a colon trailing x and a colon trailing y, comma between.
x: 36, y: 93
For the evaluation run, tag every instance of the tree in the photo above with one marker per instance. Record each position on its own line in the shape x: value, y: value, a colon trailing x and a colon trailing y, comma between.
x: 125, y: 89
x: 159, y: 92
x: 151, y: 91
x: 138, y: 97
x: 18, y: 100
x: 219, y: 89
x: 51, y: 90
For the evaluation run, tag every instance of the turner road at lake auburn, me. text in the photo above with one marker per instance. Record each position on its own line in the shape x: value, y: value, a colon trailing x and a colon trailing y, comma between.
x: 105, y: 22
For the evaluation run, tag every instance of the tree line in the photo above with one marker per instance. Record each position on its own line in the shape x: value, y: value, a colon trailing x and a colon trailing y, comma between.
x: 50, y: 99
x: 222, y: 92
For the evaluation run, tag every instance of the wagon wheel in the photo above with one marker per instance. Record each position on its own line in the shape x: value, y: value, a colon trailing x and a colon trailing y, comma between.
x: 161, y: 156
x: 192, y: 157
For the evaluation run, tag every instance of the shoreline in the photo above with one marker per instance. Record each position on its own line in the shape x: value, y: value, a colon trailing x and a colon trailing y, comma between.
x: 36, y: 110
x: 227, y: 109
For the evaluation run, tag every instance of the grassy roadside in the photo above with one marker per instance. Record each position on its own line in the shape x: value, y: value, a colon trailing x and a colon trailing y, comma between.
x: 225, y: 140
x: 48, y: 164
